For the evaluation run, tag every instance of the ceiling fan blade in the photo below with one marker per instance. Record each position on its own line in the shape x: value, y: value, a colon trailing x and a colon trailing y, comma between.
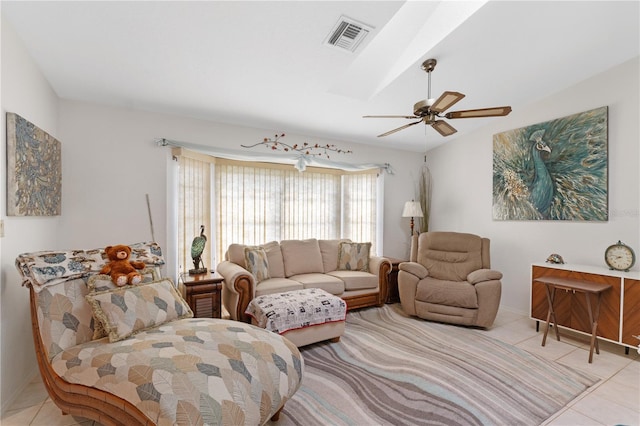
x: 446, y: 101
x: 443, y: 128
x: 399, y: 128
x: 390, y: 116
x: 482, y: 112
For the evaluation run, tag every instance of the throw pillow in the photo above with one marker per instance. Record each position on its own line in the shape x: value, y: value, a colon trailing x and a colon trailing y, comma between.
x: 301, y: 257
x: 353, y: 256
x: 257, y: 263
x: 127, y: 310
x: 102, y: 282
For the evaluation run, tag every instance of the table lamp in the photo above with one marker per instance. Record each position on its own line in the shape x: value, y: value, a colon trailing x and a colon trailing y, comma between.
x: 412, y: 209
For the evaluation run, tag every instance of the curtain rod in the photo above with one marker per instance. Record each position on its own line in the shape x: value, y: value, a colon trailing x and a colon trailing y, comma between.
x: 299, y: 161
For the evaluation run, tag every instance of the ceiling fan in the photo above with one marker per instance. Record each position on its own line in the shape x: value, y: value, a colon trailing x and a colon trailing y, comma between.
x: 430, y: 110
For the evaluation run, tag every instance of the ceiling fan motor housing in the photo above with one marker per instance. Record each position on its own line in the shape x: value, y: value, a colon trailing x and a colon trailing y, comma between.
x: 421, y: 108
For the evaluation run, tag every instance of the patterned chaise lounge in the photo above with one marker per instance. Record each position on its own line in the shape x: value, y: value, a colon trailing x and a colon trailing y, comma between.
x: 155, y: 364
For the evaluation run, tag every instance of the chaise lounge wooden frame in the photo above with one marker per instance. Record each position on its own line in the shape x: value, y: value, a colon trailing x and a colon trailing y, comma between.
x: 79, y: 400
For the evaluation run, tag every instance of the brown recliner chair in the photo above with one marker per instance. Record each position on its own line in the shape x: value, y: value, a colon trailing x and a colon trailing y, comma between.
x: 448, y: 279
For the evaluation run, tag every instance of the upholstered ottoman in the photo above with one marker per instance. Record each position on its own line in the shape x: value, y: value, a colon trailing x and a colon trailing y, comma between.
x: 302, y: 316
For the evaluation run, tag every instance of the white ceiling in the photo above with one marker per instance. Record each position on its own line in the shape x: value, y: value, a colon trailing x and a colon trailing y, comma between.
x: 264, y: 64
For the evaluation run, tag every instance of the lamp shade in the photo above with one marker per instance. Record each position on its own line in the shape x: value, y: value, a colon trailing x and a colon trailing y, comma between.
x: 412, y: 209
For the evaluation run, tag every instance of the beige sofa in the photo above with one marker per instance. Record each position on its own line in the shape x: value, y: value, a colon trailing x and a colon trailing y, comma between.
x: 340, y: 267
x: 449, y: 279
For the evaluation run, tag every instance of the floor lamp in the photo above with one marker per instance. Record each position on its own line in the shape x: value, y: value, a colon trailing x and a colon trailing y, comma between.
x: 412, y: 209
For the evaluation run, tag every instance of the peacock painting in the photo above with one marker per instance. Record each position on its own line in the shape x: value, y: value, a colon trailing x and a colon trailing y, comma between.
x: 556, y: 170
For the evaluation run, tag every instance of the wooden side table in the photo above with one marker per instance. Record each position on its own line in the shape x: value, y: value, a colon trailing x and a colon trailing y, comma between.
x: 392, y: 292
x: 576, y: 286
x: 203, y: 294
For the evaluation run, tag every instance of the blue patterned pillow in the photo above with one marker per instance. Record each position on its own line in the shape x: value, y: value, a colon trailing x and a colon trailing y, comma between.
x: 257, y: 263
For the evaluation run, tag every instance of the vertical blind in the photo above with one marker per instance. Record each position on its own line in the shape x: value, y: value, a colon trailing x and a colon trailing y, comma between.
x: 194, y: 206
x: 255, y: 203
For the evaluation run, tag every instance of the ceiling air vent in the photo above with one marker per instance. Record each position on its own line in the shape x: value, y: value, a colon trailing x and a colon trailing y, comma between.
x: 347, y: 34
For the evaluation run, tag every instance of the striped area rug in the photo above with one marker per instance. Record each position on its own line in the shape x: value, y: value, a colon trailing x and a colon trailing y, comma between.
x: 392, y: 369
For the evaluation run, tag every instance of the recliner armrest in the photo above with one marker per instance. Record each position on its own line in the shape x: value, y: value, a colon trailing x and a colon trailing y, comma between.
x: 414, y: 268
x: 483, y: 275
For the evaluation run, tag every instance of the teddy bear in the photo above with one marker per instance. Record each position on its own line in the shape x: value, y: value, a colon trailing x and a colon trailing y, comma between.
x: 120, y: 268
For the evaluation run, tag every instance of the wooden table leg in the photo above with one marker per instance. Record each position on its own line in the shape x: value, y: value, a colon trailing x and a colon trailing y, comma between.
x: 551, y: 315
x: 593, y: 317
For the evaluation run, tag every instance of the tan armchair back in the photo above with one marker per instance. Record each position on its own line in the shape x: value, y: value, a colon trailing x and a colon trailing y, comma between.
x: 451, y: 256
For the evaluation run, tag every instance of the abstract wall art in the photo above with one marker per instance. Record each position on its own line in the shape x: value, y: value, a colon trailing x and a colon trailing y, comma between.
x: 34, y: 170
x: 555, y: 170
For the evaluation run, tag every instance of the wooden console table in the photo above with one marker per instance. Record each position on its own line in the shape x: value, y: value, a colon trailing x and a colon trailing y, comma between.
x: 552, y: 284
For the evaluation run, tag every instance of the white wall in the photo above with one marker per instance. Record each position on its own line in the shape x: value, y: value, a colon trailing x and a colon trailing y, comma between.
x: 109, y: 163
x: 462, y: 185
x: 112, y: 160
x: 26, y: 93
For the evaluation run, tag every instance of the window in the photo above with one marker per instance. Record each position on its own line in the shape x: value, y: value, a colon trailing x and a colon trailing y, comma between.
x: 255, y: 203
x: 194, y: 205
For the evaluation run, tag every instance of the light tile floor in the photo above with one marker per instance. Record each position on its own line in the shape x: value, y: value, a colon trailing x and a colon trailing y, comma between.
x: 615, y: 400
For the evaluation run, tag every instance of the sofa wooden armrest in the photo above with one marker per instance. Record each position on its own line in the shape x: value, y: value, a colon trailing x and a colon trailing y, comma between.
x: 239, y: 289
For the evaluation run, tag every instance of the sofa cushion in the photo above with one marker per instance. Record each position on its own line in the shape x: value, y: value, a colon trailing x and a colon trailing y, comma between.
x: 274, y: 257
x: 329, y: 251
x: 277, y: 285
x: 451, y: 293
x: 326, y: 282
x: 353, y: 256
x: 301, y: 257
x: 356, y: 280
x: 130, y: 309
x: 257, y: 263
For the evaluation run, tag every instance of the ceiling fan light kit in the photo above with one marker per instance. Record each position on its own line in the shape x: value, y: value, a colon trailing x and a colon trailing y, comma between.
x: 428, y: 111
